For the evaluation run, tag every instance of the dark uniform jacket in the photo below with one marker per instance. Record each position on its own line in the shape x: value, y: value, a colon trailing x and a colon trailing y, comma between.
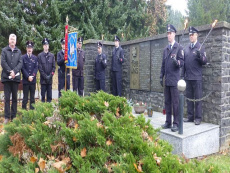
x: 117, y: 59
x: 61, y: 63
x: 29, y: 68
x: 46, y: 66
x: 11, y: 60
x: 192, y: 69
x: 100, y: 65
x: 169, y: 69
x: 80, y: 63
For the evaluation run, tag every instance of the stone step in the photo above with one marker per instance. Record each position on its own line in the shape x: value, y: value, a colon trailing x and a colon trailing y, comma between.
x: 196, y: 140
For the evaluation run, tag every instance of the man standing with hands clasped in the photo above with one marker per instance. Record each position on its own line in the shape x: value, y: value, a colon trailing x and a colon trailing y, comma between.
x: 46, y: 66
x: 100, y: 65
x: 117, y: 61
x: 29, y: 71
x: 192, y: 72
x: 173, y: 60
x: 11, y: 62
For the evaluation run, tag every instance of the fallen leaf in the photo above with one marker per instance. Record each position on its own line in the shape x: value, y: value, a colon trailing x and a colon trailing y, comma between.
x: 75, y: 126
x: 157, y: 159
x: 36, y: 170
x: 46, y: 123
x: 33, y: 159
x: 109, y: 142
x: 137, y: 168
x: 99, y: 125
x: 61, y: 165
x: 150, y: 138
x: 1, y: 157
x: 50, y: 157
x: 42, y: 164
x: 117, y: 112
x: 83, y: 152
x: 74, y: 139
x: 106, y: 104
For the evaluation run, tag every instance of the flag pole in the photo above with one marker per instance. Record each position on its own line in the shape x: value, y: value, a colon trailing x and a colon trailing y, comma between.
x: 66, y: 50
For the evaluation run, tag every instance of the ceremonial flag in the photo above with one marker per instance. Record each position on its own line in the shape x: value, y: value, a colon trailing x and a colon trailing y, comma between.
x: 72, y: 50
x: 66, y: 44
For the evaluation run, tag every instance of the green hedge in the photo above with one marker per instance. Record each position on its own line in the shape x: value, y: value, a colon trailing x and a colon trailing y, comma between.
x: 97, y: 133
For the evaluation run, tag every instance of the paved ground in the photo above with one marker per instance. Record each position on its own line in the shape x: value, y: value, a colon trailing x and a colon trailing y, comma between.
x: 188, y: 128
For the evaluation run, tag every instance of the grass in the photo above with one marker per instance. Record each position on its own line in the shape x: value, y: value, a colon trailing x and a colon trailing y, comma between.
x: 219, y: 160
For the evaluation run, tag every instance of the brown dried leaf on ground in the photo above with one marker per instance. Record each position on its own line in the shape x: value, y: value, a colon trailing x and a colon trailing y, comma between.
x: 19, y: 145
x: 42, y: 164
x: 33, y: 159
x: 1, y: 157
x: 117, y: 112
x: 157, y: 159
x: 58, y: 146
x: 139, y: 168
x: 63, y: 165
x: 109, y: 142
x: 106, y: 104
x: 83, y: 152
x: 36, y: 170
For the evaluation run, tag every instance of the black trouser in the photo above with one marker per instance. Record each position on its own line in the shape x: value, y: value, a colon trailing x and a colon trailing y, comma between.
x: 28, y: 88
x: 100, y: 84
x: 61, y: 83
x: 78, y: 84
x: 117, y: 83
x: 194, y: 91
x: 10, y: 88
x: 172, y: 101
x: 46, y: 89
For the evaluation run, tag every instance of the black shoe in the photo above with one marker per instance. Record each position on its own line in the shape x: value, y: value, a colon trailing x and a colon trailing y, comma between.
x: 166, y: 126
x: 174, y: 128
x: 197, y: 122
x: 186, y: 120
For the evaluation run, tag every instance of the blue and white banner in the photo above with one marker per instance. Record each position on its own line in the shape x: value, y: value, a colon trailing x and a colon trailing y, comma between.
x: 72, y: 50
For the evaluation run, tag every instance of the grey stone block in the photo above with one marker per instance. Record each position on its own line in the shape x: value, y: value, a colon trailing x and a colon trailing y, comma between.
x: 194, y: 142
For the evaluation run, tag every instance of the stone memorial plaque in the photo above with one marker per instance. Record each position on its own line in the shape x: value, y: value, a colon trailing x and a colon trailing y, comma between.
x: 134, y: 67
x: 144, y: 69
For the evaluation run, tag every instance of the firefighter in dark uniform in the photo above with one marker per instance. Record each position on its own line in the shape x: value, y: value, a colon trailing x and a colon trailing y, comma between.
x: 29, y: 71
x: 78, y: 74
x: 117, y: 60
x: 100, y: 65
x: 46, y: 66
x: 11, y: 62
x: 173, y: 60
x: 194, y: 58
x: 61, y: 70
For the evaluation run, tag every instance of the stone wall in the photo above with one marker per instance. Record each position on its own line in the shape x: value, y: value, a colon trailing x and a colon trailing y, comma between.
x: 141, y: 71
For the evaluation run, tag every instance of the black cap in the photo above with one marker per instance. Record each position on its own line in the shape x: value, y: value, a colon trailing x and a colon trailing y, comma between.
x: 171, y: 28
x: 45, y: 41
x: 192, y: 30
x: 62, y: 41
x: 99, y: 44
x: 29, y: 44
x: 80, y: 40
x: 116, y: 38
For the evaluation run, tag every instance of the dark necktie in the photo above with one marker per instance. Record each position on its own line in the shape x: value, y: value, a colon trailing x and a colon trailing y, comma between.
x: 192, y: 45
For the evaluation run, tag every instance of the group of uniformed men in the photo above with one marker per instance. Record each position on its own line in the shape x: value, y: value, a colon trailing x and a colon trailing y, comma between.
x: 177, y: 63
x: 186, y: 64
x: 13, y: 62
